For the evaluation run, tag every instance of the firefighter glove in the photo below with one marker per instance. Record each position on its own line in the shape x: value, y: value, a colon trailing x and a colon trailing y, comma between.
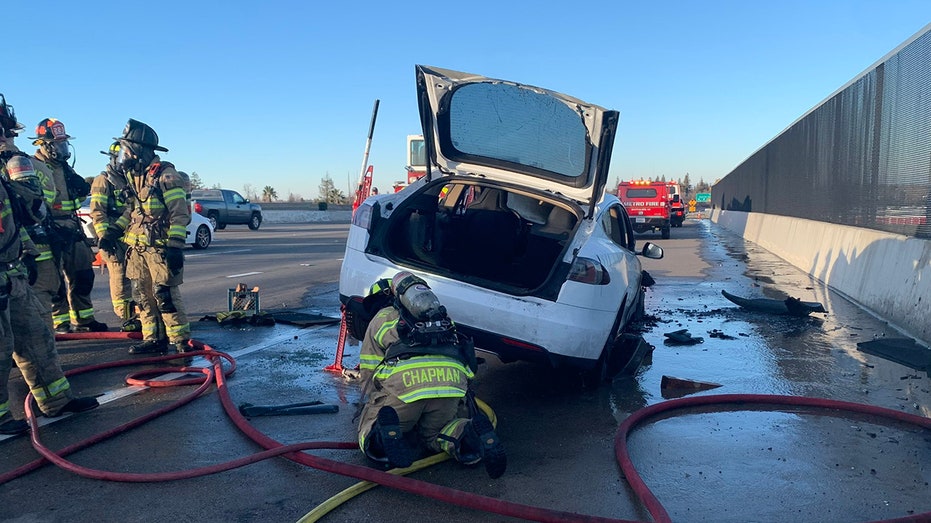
x: 32, y: 268
x: 174, y: 259
x: 108, y: 241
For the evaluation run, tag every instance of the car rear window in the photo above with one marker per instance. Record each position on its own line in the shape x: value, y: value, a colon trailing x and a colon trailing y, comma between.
x: 206, y: 194
x: 519, y: 125
x: 641, y: 193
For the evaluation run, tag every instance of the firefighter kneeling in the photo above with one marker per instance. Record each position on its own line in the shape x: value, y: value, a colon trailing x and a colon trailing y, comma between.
x: 416, y: 372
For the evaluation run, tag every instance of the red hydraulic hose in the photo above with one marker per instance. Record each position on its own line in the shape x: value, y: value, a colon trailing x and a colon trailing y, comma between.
x: 653, y: 505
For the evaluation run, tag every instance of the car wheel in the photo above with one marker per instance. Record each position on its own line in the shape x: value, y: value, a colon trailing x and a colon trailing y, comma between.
x: 213, y: 220
x: 202, y: 237
x: 602, y: 371
x: 255, y: 222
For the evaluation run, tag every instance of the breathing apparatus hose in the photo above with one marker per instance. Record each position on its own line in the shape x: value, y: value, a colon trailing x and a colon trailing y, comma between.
x: 394, y: 479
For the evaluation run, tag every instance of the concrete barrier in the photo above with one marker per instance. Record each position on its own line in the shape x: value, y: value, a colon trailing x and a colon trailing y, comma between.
x: 269, y: 216
x: 889, y: 274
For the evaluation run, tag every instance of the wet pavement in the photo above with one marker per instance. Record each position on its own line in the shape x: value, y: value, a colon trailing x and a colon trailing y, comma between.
x: 708, y: 464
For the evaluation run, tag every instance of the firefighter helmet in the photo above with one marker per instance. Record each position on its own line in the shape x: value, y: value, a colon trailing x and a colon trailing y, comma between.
x: 9, y: 127
x: 382, y: 286
x: 50, y: 130
x: 113, y: 151
x: 139, y: 133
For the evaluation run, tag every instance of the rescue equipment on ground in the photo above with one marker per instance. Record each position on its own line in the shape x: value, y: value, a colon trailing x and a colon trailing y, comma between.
x: 788, y: 307
x: 241, y: 299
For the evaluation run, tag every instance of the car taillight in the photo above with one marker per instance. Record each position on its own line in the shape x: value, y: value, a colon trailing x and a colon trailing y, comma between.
x: 362, y: 217
x: 586, y: 270
x: 198, y: 208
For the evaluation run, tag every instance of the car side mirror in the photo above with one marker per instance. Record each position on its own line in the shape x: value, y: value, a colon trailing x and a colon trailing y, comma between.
x: 652, y: 251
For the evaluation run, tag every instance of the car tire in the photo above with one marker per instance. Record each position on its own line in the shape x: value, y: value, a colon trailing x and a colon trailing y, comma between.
x: 601, y: 372
x: 202, y: 237
x: 255, y: 222
x: 215, y: 221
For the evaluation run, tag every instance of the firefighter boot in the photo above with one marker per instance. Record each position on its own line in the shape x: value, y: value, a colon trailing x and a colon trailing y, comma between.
x: 75, y: 405
x: 492, y: 450
x: 92, y: 326
x: 11, y: 426
x: 388, y: 432
x: 181, y: 347
x: 150, y: 347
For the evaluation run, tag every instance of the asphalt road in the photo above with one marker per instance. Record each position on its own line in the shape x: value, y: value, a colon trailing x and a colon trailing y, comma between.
x: 709, y: 465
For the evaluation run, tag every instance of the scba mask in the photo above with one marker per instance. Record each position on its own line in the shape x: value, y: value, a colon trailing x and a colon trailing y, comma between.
x: 60, y: 150
x: 131, y: 157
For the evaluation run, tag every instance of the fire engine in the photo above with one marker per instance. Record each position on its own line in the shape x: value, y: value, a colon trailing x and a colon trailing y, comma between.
x: 648, y: 204
x: 677, y: 208
x: 416, y: 161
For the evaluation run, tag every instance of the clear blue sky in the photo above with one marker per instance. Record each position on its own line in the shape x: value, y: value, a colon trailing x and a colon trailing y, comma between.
x: 280, y: 93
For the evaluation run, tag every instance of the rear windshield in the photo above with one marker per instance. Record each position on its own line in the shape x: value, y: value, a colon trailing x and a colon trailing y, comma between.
x: 518, y: 125
x: 645, y: 192
x: 206, y: 194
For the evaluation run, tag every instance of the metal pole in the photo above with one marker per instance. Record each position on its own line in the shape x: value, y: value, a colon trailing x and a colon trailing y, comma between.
x: 368, y: 145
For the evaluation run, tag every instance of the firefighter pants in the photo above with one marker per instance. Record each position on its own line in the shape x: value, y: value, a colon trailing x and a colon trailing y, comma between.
x: 438, y: 422
x: 157, y: 293
x: 27, y: 340
x: 121, y: 290
x: 49, y: 289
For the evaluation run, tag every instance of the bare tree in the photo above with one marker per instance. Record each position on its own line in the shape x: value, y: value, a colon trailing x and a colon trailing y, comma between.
x: 249, y: 191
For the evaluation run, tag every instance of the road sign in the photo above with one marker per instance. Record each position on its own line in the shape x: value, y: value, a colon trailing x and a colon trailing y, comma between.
x: 692, y: 202
x: 703, y: 197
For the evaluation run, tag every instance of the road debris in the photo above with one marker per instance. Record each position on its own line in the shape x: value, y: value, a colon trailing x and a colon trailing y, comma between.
x: 671, y: 387
x: 682, y: 337
x: 788, y: 307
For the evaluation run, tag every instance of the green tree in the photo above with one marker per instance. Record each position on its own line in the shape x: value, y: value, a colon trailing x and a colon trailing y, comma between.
x: 328, y: 191
x: 196, y: 182
x: 269, y: 194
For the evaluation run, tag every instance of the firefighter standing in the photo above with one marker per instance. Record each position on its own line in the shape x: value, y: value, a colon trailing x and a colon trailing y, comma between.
x: 416, y: 373
x: 25, y: 336
x: 108, y: 203
x: 158, y: 215
x: 72, y: 309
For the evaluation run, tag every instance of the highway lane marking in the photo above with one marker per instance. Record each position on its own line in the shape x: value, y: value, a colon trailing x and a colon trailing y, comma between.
x: 129, y: 390
x: 243, y: 274
x: 216, y: 253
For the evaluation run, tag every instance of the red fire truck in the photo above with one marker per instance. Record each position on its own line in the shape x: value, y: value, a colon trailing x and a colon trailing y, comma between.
x: 648, y: 204
x: 677, y: 207
x: 416, y: 161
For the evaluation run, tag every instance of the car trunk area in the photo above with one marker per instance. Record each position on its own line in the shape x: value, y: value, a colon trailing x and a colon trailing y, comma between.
x: 482, y: 234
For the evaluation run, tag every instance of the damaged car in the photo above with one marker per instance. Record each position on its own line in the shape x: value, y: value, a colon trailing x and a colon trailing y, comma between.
x: 511, y: 226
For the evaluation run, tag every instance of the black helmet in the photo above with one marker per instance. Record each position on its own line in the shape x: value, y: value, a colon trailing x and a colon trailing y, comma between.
x: 140, y: 133
x: 50, y: 130
x: 9, y: 127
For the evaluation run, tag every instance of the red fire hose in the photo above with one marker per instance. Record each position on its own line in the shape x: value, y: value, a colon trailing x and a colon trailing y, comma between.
x: 216, y: 373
